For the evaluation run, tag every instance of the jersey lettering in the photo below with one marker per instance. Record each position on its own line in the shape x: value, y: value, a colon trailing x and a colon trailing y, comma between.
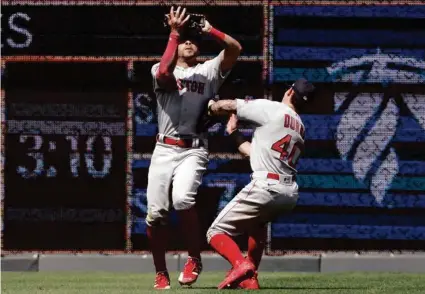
x: 191, y: 86
x: 179, y: 84
x: 282, y: 145
x: 293, y: 124
x: 295, y: 154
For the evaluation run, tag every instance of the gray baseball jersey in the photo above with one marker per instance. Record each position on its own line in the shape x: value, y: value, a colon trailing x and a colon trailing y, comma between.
x: 178, y: 113
x: 277, y: 143
x: 278, y: 139
x: 178, y: 110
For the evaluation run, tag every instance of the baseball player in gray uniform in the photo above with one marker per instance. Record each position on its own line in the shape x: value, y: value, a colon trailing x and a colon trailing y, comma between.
x: 277, y: 143
x: 183, y: 87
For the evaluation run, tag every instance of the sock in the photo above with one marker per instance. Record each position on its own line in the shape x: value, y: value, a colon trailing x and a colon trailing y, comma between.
x: 190, y: 227
x: 256, y: 244
x: 226, y: 247
x: 157, y: 237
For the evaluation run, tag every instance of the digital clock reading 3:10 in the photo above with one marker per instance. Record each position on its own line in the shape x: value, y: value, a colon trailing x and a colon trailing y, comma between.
x: 75, y: 157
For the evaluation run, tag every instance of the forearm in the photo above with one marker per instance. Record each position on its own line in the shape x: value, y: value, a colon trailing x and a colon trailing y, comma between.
x: 228, y: 42
x: 244, y: 146
x: 165, y: 76
x: 245, y: 149
x: 223, y: 107
x: 232, y: 49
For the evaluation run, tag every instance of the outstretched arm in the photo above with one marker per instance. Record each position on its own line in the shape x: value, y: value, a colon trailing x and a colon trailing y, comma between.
x: 244, y: 146
x: 225, y: 107
x: 164, y: 75
x: 222, y: 107
x: 232, y: 48
x: 256, y: 111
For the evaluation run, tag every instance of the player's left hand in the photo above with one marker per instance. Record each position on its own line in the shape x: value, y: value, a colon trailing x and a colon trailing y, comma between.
x: 232, y: 124
x: 207, y: 27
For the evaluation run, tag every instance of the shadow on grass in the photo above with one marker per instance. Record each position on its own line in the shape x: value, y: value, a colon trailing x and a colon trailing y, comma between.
x: 190, y: 288
x: 279, y: 288
x: 313, y: 288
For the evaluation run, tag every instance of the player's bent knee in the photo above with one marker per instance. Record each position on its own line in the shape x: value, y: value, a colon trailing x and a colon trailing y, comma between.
x: 156, y: 219
x: 184, y: 203
x: 212, y: 231
x: 154, y: 222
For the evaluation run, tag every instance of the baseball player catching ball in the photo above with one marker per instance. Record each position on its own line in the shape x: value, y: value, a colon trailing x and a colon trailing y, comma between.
x: 183, y: 87
x: 277, y: 143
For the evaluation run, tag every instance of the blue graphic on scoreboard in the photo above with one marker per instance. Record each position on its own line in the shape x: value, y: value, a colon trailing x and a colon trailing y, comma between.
x: 375, y: 79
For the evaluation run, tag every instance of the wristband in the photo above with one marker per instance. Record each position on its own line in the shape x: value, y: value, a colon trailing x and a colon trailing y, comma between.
x: 217, y: 34
x: 238, y: 138
x: 174, y: 35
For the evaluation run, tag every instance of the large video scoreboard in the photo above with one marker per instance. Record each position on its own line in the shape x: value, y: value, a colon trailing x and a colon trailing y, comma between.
x: 79, y: 120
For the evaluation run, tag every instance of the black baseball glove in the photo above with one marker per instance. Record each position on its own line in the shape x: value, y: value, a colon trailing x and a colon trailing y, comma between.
x: 206, y: 121
x: 194, y: 25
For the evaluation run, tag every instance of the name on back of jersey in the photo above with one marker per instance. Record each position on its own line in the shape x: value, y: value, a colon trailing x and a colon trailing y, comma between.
x: 294, y: 124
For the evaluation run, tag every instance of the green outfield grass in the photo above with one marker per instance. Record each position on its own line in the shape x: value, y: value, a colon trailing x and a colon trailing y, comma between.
x: 297, y: 283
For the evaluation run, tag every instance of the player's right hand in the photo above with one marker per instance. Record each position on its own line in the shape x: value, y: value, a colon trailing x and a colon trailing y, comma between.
x: 177, y: 19
x: 232, y: 124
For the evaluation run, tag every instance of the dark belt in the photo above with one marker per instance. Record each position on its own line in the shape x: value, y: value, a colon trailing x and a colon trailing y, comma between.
x: 180, y: 142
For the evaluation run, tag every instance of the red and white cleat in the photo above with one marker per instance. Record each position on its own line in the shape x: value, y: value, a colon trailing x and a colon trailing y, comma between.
x: 191, y: 271
x: 162, y: 281
x: 242, y: 271
x: 250, y: 284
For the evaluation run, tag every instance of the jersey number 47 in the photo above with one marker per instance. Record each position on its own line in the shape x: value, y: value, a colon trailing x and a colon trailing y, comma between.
x: 282, y: 146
